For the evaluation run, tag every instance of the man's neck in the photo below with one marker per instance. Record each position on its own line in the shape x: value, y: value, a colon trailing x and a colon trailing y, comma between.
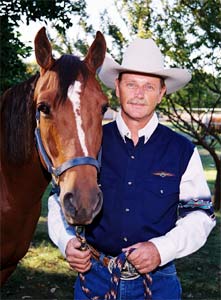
x: 134, y: 125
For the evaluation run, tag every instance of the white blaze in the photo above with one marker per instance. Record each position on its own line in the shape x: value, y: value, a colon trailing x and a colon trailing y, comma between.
x: 74, y: 91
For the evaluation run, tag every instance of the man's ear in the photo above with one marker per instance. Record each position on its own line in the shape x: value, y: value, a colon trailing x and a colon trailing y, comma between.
x: 162, y: 93
x: 117, y: 92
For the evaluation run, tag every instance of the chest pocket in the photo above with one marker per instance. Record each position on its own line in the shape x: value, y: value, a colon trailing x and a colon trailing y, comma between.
x: 162, y: 187
x: 159, y: 193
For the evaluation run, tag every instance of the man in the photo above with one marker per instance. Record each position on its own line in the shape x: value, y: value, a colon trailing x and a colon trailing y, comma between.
x: 156, y: 200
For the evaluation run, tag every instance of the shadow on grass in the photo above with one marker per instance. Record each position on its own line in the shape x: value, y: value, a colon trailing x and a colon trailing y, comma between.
x: 27, y: 283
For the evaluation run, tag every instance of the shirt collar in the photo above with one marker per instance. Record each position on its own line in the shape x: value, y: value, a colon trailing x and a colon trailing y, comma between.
x: 146, y: 131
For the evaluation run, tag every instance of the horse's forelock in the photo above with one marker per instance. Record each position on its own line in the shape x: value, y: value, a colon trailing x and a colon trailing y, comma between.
x: 68, y: 68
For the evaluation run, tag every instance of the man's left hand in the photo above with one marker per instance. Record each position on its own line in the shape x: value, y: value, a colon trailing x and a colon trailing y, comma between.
x: 145, y: 258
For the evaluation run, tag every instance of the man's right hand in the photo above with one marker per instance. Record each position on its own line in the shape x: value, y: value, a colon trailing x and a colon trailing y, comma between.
x: 77, y: 259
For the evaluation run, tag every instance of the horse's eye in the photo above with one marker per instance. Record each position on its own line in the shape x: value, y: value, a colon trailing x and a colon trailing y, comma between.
x: 45, y: 108
x: 104, y: 108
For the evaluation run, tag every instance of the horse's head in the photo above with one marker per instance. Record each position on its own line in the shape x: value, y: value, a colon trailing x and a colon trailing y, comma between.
x: 70, y: 103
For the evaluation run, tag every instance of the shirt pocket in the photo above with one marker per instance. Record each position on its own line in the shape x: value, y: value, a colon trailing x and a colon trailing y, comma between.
x: 159, y: 197
x: 162, y: 187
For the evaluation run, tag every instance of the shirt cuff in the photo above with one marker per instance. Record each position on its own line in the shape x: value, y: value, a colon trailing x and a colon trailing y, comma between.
x: 62, y: 242
x: 166, y: 249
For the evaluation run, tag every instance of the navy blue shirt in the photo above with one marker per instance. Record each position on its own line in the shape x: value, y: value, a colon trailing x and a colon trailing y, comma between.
x: 140, y: 186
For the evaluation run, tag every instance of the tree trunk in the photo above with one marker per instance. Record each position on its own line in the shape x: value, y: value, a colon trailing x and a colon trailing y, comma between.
x: 217, y: 186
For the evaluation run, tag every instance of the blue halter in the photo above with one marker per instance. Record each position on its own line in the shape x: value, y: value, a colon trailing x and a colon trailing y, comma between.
x: 56, y: 172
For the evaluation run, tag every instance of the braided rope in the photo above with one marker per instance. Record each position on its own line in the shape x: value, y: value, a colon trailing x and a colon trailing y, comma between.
x: 111, y: 294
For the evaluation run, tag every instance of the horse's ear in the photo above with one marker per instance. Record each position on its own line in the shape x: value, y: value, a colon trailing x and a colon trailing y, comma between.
x: 43, y: 50
x: 96, y: 52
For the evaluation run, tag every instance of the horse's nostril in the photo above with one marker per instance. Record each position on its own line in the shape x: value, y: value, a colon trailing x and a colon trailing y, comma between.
x: 68, y: 203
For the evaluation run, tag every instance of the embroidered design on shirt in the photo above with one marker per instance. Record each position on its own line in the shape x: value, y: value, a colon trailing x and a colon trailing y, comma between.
x: 195, y: 203
x: 163, y: 174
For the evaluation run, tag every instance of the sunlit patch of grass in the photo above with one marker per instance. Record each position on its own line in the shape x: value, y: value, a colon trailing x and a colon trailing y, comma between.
x: 46, y: 258
x: 210, y: 175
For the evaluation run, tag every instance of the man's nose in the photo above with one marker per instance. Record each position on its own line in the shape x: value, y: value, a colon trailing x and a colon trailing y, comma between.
x: 139, y: 92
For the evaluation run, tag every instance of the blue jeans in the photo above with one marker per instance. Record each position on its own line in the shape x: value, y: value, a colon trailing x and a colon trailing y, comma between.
x: 165, y: 285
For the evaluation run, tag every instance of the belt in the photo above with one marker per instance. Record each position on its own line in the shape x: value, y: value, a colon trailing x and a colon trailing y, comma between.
x: 128, y: 271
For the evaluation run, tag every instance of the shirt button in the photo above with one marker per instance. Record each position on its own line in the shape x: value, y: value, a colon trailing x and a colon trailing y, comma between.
x: 161, y: 191
x: 132, y: 157
x: 129, y: 183
x: 127, y: 209
x: 125, y: 239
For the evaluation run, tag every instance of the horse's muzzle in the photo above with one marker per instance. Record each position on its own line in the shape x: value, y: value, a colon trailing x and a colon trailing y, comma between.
x: 80, y: 211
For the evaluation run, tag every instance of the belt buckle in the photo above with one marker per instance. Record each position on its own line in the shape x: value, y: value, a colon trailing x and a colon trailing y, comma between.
x: 128, y: 271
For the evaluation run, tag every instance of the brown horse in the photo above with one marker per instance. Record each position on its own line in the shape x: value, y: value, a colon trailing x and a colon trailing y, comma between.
x: 69, y: 102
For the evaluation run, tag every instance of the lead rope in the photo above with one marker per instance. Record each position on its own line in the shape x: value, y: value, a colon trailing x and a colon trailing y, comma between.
x: 115, y: 276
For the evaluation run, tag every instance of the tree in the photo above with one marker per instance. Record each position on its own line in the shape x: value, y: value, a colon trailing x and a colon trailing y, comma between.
x: 13, y: 70
x: 61, y: 12
x: 188, y: 33
x: 191, y: 38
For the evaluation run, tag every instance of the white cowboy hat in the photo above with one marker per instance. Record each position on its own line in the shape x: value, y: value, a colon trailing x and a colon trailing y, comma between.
x: 143, y: 56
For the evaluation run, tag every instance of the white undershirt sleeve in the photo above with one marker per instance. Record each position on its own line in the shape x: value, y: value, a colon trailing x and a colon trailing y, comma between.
x: 59, y: 230
x: 188, y: 236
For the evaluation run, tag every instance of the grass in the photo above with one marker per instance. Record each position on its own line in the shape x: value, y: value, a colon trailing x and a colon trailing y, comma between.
x: 200, y: 273
x: 44, y: 274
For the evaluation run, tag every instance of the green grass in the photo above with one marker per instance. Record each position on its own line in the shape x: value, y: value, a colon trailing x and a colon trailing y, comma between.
x: 44, y: 274
x: 200, y: 273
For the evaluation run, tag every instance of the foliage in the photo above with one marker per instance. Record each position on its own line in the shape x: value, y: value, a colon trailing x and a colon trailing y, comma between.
x: 191, y: 39
x: 11, y: 52
x: 13, y: 70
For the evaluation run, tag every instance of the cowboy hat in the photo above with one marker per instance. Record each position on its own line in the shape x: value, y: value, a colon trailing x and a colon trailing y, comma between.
x: 143, y: 56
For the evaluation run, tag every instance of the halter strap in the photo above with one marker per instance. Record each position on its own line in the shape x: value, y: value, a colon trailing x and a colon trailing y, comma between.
x: 56, y: 172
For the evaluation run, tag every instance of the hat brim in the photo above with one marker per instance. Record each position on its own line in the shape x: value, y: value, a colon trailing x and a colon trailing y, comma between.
x: 174, y: 78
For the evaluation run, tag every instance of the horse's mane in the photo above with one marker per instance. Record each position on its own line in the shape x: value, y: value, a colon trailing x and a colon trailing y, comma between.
x: 18, y: 121
x: 18, y: 108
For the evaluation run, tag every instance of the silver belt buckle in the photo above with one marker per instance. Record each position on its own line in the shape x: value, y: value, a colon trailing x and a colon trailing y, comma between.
x: 128, y: 271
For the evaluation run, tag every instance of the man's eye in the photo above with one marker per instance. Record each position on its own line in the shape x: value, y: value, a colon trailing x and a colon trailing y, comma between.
x: 131, y: 85
x: 150, y: 87
x: 44, y: 108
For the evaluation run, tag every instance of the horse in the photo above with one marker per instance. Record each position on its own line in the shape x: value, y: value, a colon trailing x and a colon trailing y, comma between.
x: 59, y: 109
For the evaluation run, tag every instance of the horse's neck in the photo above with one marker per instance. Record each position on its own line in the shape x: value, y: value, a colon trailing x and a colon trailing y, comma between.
x: 23, y: 183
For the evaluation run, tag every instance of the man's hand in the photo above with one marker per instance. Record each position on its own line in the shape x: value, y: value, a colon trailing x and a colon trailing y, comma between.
x: 77, y: 259
x: 145, y: 258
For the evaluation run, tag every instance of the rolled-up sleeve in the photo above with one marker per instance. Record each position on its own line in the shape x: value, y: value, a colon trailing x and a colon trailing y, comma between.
x: 59, y: 230
x: 196, y: 215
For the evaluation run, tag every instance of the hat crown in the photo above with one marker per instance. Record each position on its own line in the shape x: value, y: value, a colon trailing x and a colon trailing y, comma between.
x: 143, y: 54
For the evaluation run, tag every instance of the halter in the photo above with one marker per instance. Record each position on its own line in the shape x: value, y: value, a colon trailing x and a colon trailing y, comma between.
x: 56, y: 172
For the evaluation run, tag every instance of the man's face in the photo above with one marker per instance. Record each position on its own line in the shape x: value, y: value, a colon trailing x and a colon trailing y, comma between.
x: 139, y: 95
